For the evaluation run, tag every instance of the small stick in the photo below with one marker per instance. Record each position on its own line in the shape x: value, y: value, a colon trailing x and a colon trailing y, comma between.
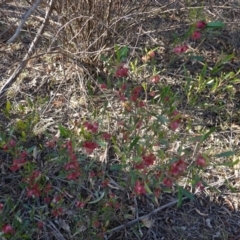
x: 30, y: 52
x: 23, y: 20
x: 145, y: 216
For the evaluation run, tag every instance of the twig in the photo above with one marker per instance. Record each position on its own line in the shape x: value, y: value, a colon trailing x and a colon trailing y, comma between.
x: 30, y: 52
x: 24, y: 19
x: 14, y: 10
x: 56, y: 232
x: 142, y: 217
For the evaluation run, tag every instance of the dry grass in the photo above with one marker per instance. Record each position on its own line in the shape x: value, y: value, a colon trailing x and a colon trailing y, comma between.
x: 62, y: 80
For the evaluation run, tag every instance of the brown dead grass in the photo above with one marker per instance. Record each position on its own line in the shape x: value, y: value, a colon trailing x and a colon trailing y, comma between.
x: 61, y: 80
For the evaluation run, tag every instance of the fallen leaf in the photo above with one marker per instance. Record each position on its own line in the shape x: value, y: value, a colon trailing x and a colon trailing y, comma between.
x: 202, y: 214
x: 147, y: 222
x: 208, y: 221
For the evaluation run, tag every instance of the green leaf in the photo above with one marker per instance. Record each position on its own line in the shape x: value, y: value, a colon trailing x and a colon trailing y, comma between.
x: 103, y: 58
x: 23, y: 135
x: 8, y: 108
x: 232, y: 189
x: 144, y: 85
x: 164, y: 142
x: 174, y: 159
x: 116, y: 48
x: 216, y: 69
x: 236, y: 80
x: 227, y: 58
x: 182, y: 192
x: 123, y: 53
x: 206, y: 135
x: 197, y: 58
x: 204, y: 71
x: 187, y: 34
x: 225, y: 154
x: 229, y: 75
x: 180, y: 195
x: 31, y: 149
x: 229, y: 164
x: 162, y: 119
x: 147, y: 188
x: 116, y: 167
x: 215, y: 25
x: 64, y: 132
x: 188, y: 194
x: 98, y: 199
x: 133, y: 143
x: 167, y: 190
x: 101, y: 144
x: 30, y: 103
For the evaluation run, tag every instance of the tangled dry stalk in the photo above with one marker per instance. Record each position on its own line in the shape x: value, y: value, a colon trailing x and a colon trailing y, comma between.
x: 63, y: 37
x: 81, y: 29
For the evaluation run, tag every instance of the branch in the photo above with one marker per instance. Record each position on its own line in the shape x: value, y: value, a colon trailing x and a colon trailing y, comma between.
x: 30, y: 52
x: 145, y: 216
x: 24, y: 19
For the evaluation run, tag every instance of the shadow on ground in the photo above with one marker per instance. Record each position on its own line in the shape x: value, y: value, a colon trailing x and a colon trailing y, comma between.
x: 207, y: 217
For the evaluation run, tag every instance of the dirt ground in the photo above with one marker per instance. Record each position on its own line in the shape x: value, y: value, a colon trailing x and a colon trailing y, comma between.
x: 214, y: 213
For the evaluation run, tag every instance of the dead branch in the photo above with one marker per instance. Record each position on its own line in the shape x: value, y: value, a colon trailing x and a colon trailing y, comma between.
x: 30, y: 52
x: 23, y: 20
x: 143, y: 217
